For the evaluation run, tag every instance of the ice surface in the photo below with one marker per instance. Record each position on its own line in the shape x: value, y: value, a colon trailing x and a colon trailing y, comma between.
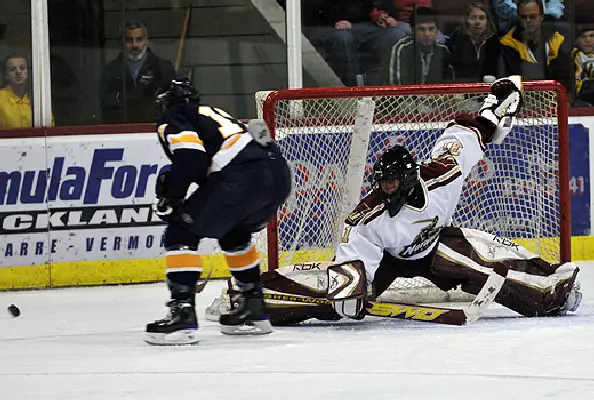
x: 86, y: 343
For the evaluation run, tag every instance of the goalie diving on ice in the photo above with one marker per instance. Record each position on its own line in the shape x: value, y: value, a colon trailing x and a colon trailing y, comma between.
x: 401, y: 229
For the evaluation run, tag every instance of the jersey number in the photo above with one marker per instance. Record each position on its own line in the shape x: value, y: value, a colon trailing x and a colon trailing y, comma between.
x: 227, y: 126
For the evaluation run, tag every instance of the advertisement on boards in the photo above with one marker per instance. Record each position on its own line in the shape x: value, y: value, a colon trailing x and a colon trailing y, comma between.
x: 73, y: 199
x: 79, y: 198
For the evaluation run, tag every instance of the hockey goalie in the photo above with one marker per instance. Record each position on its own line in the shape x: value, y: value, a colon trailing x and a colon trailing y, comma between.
x: 401, y: 229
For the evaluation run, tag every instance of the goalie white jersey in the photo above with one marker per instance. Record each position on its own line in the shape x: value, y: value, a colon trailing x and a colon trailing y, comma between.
x: 414, y: 231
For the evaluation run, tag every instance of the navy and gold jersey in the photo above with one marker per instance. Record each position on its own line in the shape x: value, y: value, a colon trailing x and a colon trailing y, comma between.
x: 200, y: 140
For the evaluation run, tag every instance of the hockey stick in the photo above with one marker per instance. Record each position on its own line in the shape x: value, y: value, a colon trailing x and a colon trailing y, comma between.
x: 201, y: 285
x: 439, y: 315
x: 182, y: 39
x: 484, y: 298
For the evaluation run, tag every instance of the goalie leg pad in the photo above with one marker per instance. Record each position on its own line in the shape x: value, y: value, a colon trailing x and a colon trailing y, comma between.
x: 533, y: 287
x: 347, y: 288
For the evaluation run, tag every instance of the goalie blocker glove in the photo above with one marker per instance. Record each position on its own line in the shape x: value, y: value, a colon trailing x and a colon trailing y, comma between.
x: 347, y: 289
x: 502, y: 106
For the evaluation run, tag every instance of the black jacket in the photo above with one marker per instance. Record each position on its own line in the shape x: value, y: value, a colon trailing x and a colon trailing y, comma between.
x: 128, y: 100
x: 408, y: 63
x: 471, y: 63
x: 548, y: 59
x: 329, y: 12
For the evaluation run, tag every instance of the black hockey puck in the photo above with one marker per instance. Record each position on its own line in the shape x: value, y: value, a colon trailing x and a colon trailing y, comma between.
x: 14, y: 310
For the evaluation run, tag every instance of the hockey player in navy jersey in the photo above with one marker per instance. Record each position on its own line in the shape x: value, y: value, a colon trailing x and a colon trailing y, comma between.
x: 401, y: 229
x: 242, y: 179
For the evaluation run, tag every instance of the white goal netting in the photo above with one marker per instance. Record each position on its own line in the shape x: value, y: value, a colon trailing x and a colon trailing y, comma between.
x: 332, y: 137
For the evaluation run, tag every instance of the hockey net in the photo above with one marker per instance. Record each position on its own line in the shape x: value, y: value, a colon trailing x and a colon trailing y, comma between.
x: 332, y: 136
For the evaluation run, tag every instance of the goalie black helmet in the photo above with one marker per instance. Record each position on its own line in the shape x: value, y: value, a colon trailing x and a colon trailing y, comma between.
x: 395, y: 164
x: 179, y: 91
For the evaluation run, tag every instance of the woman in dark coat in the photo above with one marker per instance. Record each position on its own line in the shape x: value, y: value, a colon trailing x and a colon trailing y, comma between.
x: 475, y: 46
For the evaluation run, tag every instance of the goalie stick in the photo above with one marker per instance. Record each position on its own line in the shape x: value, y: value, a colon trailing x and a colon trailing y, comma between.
x: 440, y: 315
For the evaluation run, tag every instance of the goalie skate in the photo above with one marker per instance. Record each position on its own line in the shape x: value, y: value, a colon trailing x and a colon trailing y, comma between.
x: 574, y: 297
x: 219, y: 306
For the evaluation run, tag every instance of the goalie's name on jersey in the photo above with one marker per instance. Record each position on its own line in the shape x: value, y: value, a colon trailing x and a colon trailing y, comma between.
x: 105, y: 178
x: 77, y: 218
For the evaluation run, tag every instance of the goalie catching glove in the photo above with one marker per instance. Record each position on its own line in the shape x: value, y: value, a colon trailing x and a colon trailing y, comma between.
x: 502, y: 106
x: 347, y: 289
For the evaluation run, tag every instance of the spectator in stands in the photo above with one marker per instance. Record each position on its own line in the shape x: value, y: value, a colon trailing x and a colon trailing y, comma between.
x: 402, y: 10
x: 15, y: 104
x: 534, y: 50
x: 506, y: 12
x: 474, y: 45
x: 420, y: 59
x: 129, y: 83
x: 345, y: 29
x: 583, y: 57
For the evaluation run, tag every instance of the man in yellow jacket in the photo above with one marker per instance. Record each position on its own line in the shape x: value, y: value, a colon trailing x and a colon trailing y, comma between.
x: 15, y: 106
x: 535, y: 51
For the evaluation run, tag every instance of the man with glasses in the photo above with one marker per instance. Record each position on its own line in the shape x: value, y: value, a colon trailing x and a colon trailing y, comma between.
x: 535, y: 50
x: 506, y: 12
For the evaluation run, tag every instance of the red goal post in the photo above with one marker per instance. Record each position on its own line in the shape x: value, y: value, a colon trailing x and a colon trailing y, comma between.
x: 331, y: 136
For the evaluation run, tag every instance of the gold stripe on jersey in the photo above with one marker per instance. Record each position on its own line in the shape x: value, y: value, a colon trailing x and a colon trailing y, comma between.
x: 183, y: 260
x: 230, y: 142
x: 185, y: 140
x: 244, y: 259
x: 229, y: 150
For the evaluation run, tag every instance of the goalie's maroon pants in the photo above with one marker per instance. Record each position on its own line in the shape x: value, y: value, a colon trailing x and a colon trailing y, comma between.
x: 442, y: 271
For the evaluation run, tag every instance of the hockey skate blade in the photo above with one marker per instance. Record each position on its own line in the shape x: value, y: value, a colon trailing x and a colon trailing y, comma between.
x: 186, y: 337
x: 252, y: 328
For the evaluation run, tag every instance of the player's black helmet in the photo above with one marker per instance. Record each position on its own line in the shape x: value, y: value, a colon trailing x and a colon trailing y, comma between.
x: 179, y: 91
x: 396, y: 163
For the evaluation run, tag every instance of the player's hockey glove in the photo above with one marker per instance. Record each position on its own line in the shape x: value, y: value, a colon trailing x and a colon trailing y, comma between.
x: 163, y: 206
x: 502, y: 106
x: 259, y: 131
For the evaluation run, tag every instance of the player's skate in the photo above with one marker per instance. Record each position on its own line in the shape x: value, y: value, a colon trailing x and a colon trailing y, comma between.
x: 502, y: 106
x: 248, y: 316
x: 179, y: 327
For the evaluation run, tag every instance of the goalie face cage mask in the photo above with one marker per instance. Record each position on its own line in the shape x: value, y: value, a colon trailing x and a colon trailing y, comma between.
x: 396, y: 164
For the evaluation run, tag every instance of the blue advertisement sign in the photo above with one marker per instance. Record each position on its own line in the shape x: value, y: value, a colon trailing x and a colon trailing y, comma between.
x: 579, y: 179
